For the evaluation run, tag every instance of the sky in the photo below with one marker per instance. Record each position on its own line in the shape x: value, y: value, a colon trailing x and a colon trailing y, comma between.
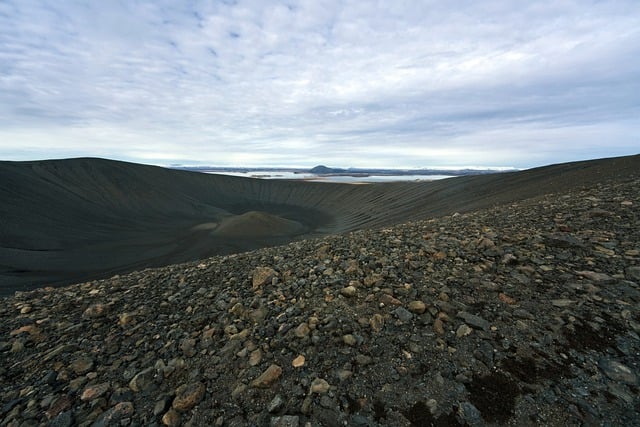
x: 403, y: 84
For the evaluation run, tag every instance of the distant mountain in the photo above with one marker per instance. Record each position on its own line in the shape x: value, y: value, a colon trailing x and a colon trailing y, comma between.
x: 324, y: 170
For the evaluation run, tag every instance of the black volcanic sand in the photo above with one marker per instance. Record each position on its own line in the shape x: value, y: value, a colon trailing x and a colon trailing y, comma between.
x: 68, y: 221
x: 526, y: 313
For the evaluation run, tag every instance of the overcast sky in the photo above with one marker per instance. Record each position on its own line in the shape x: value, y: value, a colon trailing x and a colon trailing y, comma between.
x: 343, y: 83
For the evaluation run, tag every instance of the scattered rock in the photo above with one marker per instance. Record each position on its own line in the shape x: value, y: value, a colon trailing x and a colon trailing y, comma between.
x: 143, y: 380
x: 506, y: 299
x: 268, y: 377
x: 403, y: 314
x: 474, y: 321
x: 82, y: 365
x: 262, y: 276
x: 387, y: 299
x: 94, y: 391
x: 376, y: 322
x: 95, y: 311
x: 255, y: 357
x: 349, y: 340
x: 276, y: 404
x: 172, y: 418
x: 114, y: 415
x: 562, y: 302
x: 302, y: 330
x: 596, y: 277
x: 298, y: 362
x: 417, y: 307
x: 188, y: 396
x: 349, y: 291
x: 319, y: 386
x: 463, y: 330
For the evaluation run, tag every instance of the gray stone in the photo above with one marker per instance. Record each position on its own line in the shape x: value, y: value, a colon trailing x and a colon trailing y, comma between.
x: 470, y: 414
x: 403, y: 314
x: 596, y: 277
x: 113, y: 416
x: 276, y: 404
x: 143, y: 380
x: 523, y: 314
x: 474, y: 321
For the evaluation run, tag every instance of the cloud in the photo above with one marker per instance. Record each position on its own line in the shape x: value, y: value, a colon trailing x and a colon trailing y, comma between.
x: 350, y: 83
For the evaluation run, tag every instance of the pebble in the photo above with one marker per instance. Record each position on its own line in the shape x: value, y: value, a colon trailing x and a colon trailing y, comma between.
x: 125, y: 319
x: 82, y: 365
x: 172, y: 418
x: 143, y: 380
x: 188, y: 396
x: 523, y: 314
x: 562, y: 302
x: 438, y: 326
x: 95, y: 311
x: 387, y: 299
x: 262, y: 276
x: 349, y: 291
x: 114, y: 415
x: 302, y: 330
x: 255, y: 357
x: 403, y: 314
x: 474, y: 321
x: 349, y: 340
x: 417, y: 307
x: 376, y: 322
x: 506, y: 299
x: 61, y: 404
x: 94, y: 391
x: 596, y: 277
x: 463, y: 330
x: 298, y: 362
x: 268, y: 377
x: 319, y: 386
x: 276, y: 404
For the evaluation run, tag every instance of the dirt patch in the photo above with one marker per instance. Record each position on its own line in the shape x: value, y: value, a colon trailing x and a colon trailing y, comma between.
x: 530, y: 370
x: 583, y: 336
x: 420, y: 416
x: 494, y: 395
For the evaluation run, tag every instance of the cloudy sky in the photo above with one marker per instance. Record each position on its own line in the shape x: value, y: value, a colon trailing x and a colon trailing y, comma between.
x: 298, y: 83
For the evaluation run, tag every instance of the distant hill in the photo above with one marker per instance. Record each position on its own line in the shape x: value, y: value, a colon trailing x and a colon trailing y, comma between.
x: 324, y: 170
x: 66, y: 221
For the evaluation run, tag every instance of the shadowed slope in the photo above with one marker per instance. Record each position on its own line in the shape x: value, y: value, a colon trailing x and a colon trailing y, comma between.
x: 71, y: 220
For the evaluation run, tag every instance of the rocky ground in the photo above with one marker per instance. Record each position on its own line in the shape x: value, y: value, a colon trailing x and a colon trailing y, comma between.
x: 523, y: 314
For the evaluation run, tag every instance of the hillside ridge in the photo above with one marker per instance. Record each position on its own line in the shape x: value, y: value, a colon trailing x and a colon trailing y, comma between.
x: 67, y: 221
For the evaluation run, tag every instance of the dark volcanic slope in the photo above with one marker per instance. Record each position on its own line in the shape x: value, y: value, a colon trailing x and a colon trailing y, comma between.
x: 523, y: 314
x: 67, y: 221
